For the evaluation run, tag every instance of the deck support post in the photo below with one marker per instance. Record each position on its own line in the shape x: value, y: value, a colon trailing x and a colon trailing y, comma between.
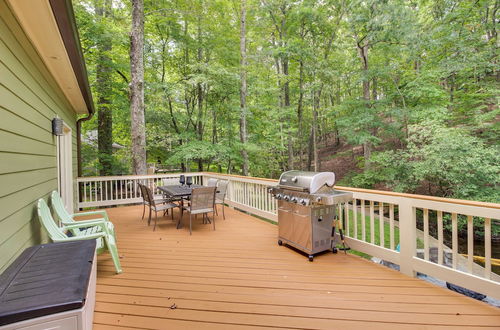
x: 407, y: 240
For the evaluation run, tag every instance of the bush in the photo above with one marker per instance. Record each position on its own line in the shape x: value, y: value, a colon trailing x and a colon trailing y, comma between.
x: 448, y: 161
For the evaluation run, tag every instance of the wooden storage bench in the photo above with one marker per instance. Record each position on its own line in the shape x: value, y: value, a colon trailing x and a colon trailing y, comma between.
x: 50, y: 286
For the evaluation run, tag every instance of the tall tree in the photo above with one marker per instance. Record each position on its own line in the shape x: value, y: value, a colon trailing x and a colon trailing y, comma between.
x: 243, y: 87
x: 138, y: 131
x: 104, y: 92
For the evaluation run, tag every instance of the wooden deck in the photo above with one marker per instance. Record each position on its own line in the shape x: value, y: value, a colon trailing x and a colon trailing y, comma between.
x: 237, y: 277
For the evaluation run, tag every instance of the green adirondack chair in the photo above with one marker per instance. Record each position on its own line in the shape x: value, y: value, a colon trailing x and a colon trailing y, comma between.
x: 105, y: 241
x: 68, y: 219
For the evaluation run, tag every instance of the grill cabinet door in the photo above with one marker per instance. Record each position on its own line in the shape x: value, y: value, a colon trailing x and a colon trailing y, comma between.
x: 285, y: 225
x: 302, y: 231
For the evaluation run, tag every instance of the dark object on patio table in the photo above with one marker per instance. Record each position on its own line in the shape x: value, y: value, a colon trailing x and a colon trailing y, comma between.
x: 182, y: 179
x: 465, y: 292
x: 46, y: 279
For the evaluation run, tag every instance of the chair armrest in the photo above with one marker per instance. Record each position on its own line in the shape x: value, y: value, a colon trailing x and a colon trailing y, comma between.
x: 101, y: 212
x: 100, y: 224
x: 80, y: 238
x: 85, y: 222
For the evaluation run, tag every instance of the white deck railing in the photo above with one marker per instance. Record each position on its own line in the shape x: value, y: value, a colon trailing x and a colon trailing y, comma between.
x: 375, y: 222
x: 100, y: 191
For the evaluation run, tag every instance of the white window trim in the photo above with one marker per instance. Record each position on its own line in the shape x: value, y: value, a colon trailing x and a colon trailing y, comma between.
x: 65, y: 167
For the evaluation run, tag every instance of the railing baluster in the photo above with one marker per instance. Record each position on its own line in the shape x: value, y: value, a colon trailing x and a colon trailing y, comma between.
x: 258, y: 194
x: 487, y: 248
x: 454, y: 238
x: 381, y: 223
x: 391, y: 225
x: 355, y: 220
x: 268, y: 202
x: 363, y: 220
x: 262, y: 197
x: 248, y: 191
x: 101, y: 190
x: 257, y: 197
x: 340, y: 216
x: 254, y: 197
x: 440, y: 236
x: 245, y: 193
x: 347, y: 226
x: 426, y: 234
x: 238, y: 192
x: 470, y: 243
x: 253, y: 194
x: 372, y: 222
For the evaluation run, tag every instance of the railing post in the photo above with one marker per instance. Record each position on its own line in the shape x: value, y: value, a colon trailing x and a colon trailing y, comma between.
x: 407, y: 239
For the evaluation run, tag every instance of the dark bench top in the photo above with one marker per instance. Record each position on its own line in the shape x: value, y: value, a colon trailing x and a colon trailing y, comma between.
x: 46, y: 279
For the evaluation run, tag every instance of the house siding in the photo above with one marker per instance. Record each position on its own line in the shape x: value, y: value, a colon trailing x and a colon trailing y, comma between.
x: 29, y: 100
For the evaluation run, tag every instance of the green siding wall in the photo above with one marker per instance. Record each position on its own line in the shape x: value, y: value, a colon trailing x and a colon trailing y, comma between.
x: 29, y: 100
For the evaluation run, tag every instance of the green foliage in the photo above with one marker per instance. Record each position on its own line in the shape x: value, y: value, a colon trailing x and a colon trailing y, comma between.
x: 445, y: 161
x: 431, y: 66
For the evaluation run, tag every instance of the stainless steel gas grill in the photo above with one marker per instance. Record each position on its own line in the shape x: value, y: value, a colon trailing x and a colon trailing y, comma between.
x: 306, y: 209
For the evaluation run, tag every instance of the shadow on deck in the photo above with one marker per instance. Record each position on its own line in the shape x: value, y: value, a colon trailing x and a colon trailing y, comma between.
x: 238, y: 277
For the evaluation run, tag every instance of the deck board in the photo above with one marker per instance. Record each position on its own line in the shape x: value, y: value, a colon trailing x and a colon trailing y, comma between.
x: 237, y: 277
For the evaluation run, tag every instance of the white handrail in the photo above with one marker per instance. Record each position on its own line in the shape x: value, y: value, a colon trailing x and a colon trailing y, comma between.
x: 365, y: 219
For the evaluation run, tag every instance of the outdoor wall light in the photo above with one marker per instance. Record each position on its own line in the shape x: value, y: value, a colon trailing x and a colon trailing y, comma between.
x: 57, y: 126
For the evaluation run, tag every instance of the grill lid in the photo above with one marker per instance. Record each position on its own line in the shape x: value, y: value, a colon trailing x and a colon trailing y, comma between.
x: 306, y: 181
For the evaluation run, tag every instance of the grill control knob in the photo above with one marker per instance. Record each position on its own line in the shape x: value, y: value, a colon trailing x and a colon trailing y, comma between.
x: 279, y: 196
x: 294, y: 179
x: 294, y: 200
x: 318, y: 199
x: 303, y: 202
x: 286, y: 197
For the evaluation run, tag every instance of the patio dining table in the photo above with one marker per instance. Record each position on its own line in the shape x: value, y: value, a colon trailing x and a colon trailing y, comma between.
x: 177, y: 190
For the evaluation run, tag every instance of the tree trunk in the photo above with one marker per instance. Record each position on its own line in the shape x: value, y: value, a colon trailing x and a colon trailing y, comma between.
x: 199, y: 125
x: 104, y: 91
x: 243, y: 87
x: 286, y: 98
x: 300, y: 110
x: 315, y: 132
x: 310, y: 153
x: 138, y: 129
x: 363, y: 54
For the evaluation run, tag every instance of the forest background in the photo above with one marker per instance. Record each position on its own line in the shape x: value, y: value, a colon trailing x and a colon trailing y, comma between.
x: 388, y: 94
